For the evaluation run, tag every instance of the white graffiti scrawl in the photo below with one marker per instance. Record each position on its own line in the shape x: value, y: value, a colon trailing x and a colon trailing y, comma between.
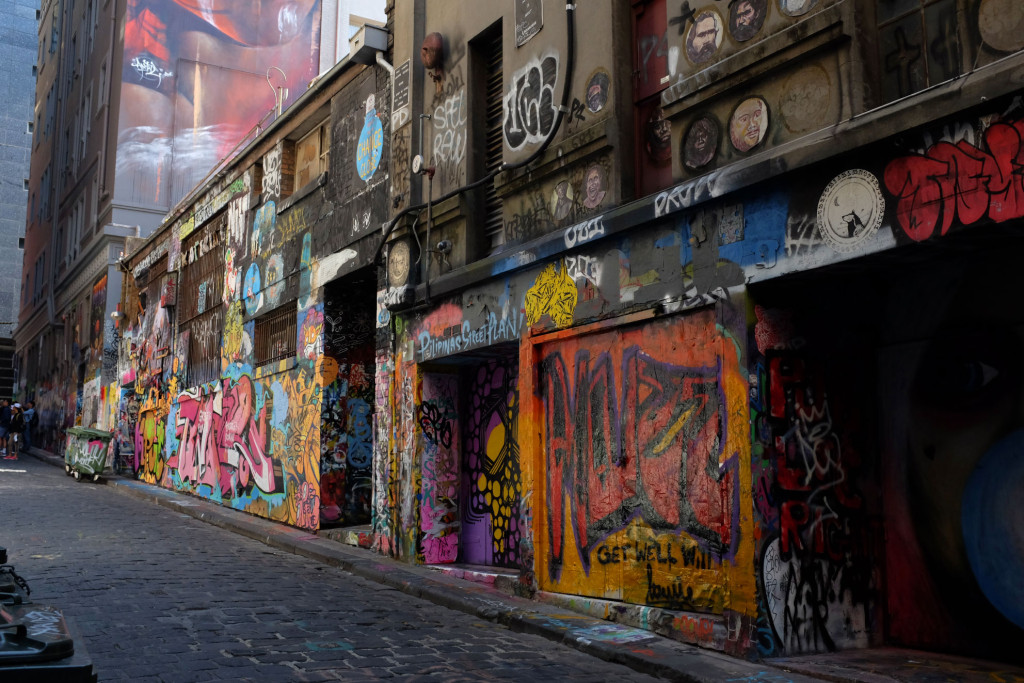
x: 530, y: 106
x: 148, y: 70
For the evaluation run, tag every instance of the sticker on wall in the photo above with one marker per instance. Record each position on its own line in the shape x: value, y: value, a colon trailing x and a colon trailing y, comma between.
x: 597, y: 91
x: 704, y: 37
x: 251, y: 289
x: 371, y: 141
x: 746, y: 18
x: 1001, y: 24
x: 529, y: 20
x: 850, y: 210
x: 748, y: 124
x: 794, y: 8
x: 561, y: 200
x: 700, y: 143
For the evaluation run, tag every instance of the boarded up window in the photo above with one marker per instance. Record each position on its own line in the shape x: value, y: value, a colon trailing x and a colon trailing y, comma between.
x: 275, y: 335
x: 311, y: 155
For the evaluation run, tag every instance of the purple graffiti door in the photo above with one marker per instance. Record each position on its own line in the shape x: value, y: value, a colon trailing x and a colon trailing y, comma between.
x: 491, y: 474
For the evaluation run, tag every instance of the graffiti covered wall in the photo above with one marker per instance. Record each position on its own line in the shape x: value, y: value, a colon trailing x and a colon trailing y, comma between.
x: 646, y: 470
x: 346, y: 431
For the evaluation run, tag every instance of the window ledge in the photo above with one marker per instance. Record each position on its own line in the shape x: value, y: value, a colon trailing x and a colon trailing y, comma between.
x: 275, y: 368
x: 302, y: 192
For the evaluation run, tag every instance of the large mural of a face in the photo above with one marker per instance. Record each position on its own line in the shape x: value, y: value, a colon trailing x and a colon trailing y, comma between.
x: 195, y: 82
x: 956, y: 535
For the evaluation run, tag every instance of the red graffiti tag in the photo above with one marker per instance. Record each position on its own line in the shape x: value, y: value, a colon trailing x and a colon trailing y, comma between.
x: 960, y: 182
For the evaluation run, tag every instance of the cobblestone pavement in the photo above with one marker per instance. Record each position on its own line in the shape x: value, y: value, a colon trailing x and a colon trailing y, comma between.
x: 160, y: 596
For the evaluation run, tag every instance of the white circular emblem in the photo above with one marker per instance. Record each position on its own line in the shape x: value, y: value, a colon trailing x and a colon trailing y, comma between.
x: 850, y: 209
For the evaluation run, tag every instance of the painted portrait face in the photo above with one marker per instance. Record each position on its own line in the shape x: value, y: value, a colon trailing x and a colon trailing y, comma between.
x: 964, y: 439
x: 593, y: 187
x: 701, y: 143
x: 597, y: 92
x: 704, y: 37
x: 746, y: 18
x: 749, y: 124
x: 659, y: 136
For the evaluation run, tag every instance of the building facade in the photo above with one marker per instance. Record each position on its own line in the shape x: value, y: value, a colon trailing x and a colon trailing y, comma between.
x: 19, y: 20
x: 693, y: 320
x: 247, y: 358
x: 137, y: 102
x: 715, y: 361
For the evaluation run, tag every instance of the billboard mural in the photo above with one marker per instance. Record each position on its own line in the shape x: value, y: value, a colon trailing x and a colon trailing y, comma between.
x: 197, y: 76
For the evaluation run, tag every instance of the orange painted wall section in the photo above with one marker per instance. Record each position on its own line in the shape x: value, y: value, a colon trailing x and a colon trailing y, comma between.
x: 644, y: 464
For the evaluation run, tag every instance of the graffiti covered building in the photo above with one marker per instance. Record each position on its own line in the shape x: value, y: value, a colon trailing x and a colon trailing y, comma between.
x: 702, y: 326
x: 246, y: 367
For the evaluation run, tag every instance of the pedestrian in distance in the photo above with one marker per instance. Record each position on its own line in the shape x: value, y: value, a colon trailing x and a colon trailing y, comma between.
x: 5, y: 424
x: 17, y: 427
x: 30, y: 421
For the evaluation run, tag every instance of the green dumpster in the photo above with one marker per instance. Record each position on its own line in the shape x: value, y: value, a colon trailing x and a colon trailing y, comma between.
x: 86, y: 452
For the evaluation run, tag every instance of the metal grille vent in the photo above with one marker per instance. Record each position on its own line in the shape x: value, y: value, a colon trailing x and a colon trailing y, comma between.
x: 493, y: 226
x: 275, y: 335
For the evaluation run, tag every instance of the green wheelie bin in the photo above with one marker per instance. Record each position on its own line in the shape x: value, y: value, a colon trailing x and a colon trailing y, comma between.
x: 85, y: 454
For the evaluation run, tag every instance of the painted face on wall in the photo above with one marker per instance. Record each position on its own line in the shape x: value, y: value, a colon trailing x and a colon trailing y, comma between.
x: 965, y: 471
x: 659, y: 136
x: 953, y: 409
x: 701, y: 143
x: 597, y: 92
x: 704, y: 37
x: 746, y: 18
x: 594, y: 188
x: 749, y: 124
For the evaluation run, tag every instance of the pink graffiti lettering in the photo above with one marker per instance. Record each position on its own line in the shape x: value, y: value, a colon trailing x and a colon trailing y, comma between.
x: 222, y: 440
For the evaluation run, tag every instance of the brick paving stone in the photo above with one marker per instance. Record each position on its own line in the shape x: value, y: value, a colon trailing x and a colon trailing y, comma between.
x: 161, y: 596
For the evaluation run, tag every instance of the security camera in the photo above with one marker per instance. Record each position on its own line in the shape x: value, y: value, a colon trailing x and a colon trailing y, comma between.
x: 444, y: 246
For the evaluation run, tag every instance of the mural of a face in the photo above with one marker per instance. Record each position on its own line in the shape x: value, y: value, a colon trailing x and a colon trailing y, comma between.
x: 701, y: 143
x: 704, y: 37
x: 561, y: 201
x: 597, y: 92
x: 749, y: 124
x: 965, y: 472
x: 659, y: 136
x: 746, y: 18
x: 795, y: 8
x: 593, y: 184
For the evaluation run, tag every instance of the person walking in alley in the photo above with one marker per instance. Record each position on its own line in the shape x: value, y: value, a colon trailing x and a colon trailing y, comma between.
x: 30, y: 419
x: 16, y: 428
x: 5, y: 424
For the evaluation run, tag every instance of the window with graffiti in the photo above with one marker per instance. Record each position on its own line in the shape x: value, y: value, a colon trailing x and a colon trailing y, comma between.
x: 201, y: 310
